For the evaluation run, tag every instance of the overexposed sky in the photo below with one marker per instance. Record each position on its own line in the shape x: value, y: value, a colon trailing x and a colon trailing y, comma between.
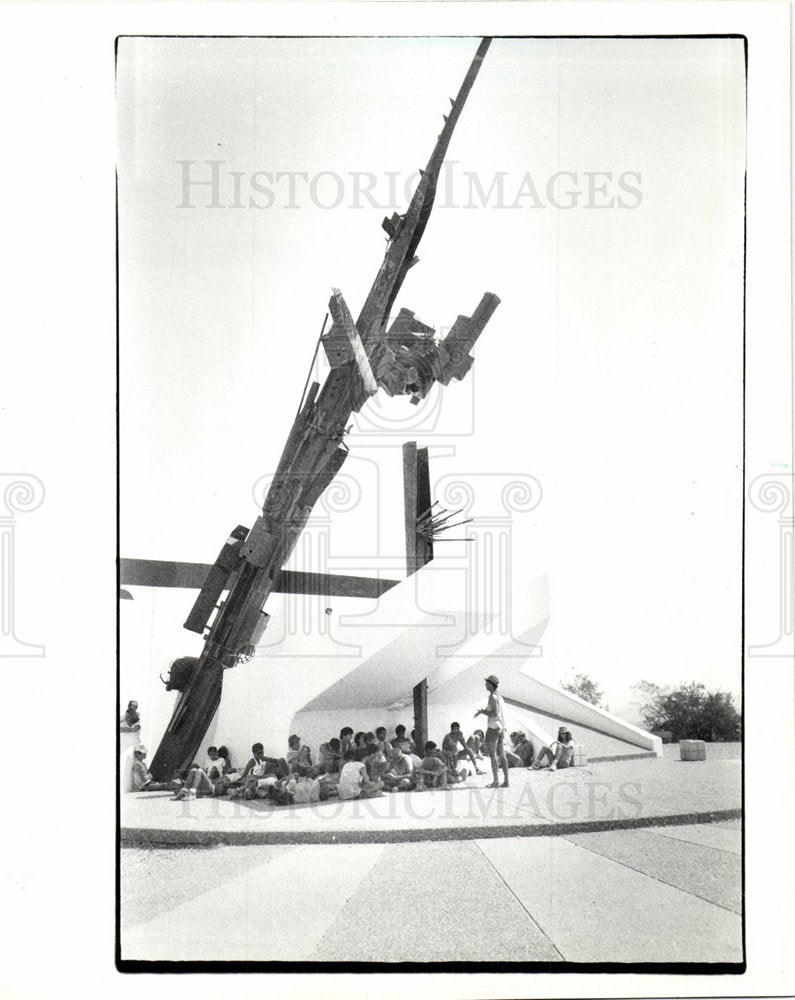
x: 595, y: 185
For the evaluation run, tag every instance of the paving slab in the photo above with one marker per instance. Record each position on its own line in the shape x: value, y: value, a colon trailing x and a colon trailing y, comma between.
x: 182, y: 875
x: 721, y: 836
x: 596, y: 909
x: 543, y: 899
x: 700, y: 870
x: 608, y: 795
x: 453, y: 885
x: 276, y: 911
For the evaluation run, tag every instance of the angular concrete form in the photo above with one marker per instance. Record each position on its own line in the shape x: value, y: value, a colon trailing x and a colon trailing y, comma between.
x: 429, y: 627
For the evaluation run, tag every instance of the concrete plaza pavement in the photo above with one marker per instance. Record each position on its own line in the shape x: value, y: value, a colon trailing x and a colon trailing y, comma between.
x: 661, y: 894
x: 602, y: 796
x: 632, y: 861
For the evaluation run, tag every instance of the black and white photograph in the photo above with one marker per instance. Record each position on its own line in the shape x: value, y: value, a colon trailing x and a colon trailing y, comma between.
x: 396, y: 565
x: 434, y: 347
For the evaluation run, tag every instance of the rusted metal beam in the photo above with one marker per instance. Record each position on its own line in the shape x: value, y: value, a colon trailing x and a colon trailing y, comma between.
x: 163, y: 573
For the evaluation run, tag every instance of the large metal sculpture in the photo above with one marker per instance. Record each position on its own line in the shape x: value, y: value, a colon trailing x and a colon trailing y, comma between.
x: 403, y: 358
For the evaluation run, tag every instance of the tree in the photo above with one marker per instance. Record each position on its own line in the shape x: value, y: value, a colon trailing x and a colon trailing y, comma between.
x: 690, y: 712
x: 585, y: 688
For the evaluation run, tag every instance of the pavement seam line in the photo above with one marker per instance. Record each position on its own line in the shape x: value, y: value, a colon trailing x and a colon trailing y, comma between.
x: 529, y: 914
x: 696, y: 843
x: 662, y: 881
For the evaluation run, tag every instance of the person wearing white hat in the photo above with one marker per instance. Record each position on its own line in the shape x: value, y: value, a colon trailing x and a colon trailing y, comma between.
x: 495, y: 731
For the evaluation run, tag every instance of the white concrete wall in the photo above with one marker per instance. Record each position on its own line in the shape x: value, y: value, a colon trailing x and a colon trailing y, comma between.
x: 349, y: 668
x: 315, y: 728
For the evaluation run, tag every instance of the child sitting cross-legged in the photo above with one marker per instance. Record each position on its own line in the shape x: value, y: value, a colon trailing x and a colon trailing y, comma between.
x: 376, y: 763
x: 354, y: 783
x: 400, y: 775
x: 432, y: 772
x: 261, y: 772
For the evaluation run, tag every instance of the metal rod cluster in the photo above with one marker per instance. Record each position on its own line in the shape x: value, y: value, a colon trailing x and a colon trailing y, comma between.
x: 431, y: 523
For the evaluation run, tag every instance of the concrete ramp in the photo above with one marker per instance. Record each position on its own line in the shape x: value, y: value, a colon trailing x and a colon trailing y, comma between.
x: 542, y: 727
x: 361, y: 674
x: 601, y: 733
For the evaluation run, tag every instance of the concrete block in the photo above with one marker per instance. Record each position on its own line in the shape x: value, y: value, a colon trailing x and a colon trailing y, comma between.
x: 580, y: 758
x: 692, y: 750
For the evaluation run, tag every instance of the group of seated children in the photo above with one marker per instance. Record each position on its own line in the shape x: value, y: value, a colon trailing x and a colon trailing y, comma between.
x: 350, y: 766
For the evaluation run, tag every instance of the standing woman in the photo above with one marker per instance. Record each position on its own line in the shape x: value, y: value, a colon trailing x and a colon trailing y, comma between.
x: 495, y: 731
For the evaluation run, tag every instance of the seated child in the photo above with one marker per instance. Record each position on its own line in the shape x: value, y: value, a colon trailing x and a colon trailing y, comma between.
x: 230, y: 777
x: 376, y: 763
x: 330, y: 756
x: 558, y: 754
x: 142, y: 777
x: 400, y: 742
x: 523, y: 748
x: 450, y: 749
x: 207, y: 780
x: 299, y: 756
x: 432, y: 771
x: 399, y: 776
x: 346, y: 739
x: 226, y: 757
x: 263, y: 788
x: 475, y: 743
x: 514, y: 760
x: 303, y: 790
x: 384, y: 745
x: 258, y: 769
x: 354, y: 783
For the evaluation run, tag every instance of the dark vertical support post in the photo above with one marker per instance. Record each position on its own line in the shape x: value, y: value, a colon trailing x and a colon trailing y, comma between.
x: 416, y: 503
x: 424, y: 547
x: 410, y: 504
x: 420, y: 716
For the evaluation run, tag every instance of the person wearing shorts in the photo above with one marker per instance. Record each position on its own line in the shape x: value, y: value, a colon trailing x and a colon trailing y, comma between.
x: 495, y: 731
x: 558, y: 754
x: 451, y: 745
